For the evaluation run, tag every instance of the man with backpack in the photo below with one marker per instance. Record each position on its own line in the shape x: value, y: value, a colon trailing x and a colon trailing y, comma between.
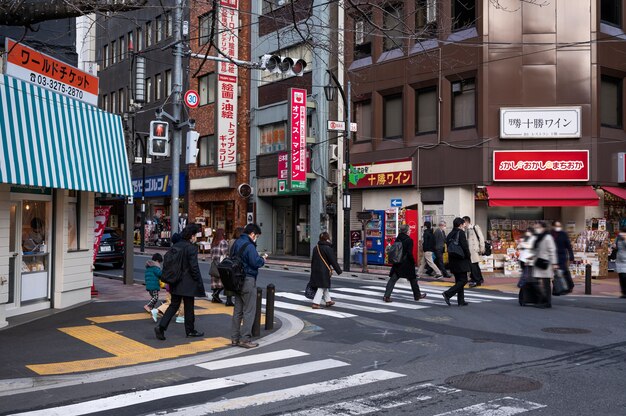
x: 403, y: 265
x: 245, y: 299
x: 182, y: 273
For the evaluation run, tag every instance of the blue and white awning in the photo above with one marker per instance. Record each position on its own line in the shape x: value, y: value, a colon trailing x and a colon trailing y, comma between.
x: 49, y: 140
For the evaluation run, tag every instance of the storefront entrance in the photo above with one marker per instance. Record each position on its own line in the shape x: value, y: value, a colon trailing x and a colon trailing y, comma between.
x: 29, y: 254
x: 284, y: 230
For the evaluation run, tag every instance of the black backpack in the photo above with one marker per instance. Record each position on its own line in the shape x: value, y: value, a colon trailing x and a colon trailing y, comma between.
x: 173, y: 265
x: 232, y: 272
x: 395, y: 252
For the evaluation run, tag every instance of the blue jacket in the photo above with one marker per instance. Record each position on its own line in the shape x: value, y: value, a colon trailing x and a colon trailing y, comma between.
x: 251, y: 259
x: 152, y: 274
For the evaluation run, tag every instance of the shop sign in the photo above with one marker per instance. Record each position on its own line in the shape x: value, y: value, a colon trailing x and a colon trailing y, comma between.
x: 25, y: 189
x: 621, y: 167
x: 540, y: 123
x: 297, y: 136
x: 45, y: 71
x: 388, y: 173
x: 283, y: 176
x: 101, y: 218
x: 226, y: 102
x: 541, y: 165
x: 160, y: 185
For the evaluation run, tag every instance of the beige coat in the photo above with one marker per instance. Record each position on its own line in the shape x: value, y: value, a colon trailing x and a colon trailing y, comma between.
x: 546, y: 250
x: 476, y: 244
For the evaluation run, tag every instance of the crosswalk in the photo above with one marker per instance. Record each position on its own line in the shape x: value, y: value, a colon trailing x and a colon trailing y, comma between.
x: 353, y: 301
x: 294, y: 366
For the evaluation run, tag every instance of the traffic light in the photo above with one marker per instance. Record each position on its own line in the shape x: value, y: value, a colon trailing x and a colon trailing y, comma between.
x: 285, y: 65
x: 159, y: 139
x: 192, y: 147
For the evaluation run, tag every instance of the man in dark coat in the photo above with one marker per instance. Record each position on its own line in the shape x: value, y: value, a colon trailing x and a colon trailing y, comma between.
x: 440, y: 245
x: 458, y: 266
x: 187, y: 289
x: 321, y: 262
x: 564, y: 252
x: 406, y: 268
x: 428, y: 246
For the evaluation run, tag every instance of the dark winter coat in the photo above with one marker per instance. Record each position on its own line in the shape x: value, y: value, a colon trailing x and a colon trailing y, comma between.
x: 459, y: 265
x: 152, y: 274
x: 320, y: 275
x: 429, y: 243
x: 251, y: 259
x: 191, y: 284
x: 405, y: 269
x: 563, y: 248
x: 440, y: 239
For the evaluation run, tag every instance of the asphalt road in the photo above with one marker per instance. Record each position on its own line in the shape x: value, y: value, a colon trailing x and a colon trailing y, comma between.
x: 363, y: 356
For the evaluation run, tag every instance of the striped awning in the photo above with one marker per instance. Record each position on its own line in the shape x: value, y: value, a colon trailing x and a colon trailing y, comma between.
x: 50, y: 140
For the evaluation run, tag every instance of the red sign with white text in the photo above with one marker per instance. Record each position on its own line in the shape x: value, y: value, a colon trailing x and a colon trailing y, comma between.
x: 541, y: 165
x: 297, y: 135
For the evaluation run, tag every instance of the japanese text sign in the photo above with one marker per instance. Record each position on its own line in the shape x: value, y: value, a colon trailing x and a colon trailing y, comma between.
x: 227, y: 87
x: 297, y: 135
x: 621, y: 167
x: 283, y: 174
x: 540, y: 122
x: 45, y: 71
x: 541, y: 165
x: 388, y: 173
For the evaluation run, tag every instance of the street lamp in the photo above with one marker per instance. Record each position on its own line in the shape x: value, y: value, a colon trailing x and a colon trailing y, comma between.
x: 329, y: 92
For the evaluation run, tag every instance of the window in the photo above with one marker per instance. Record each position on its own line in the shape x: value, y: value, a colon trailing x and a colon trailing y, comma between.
x: 392, y: 26
x: 426, y: 110
x: 168, y: 82
x: 74, y: 221
x: 105, y: 103
x: 362, y: 38
x: 105, y: 56
x: 148, y: 34
x: 122, y: 100
x: 464, y: 103
x: 611, y: 12
x: 208, y: 150
x: 463, y: 14
x: 159, y: 28
x: 130, y: 41
x: 204, y: 28
x: 169, y: 24
x: 122, y: 45
x: 392, y: 116
x: 425, y: 18
x: 113, y: 102
x: 611, y: 102
x: 158, y: 84
x: 113, y: 52
x: 273, y: 137
x: 206, y: 87
x: 364, y: 120
x: 148, y: 91
x: 139, y: 39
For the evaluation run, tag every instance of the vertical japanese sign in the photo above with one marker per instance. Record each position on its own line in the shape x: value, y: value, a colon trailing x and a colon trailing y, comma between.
x: 45, y: 71
x: 226, y: 102
x: 297, y: 136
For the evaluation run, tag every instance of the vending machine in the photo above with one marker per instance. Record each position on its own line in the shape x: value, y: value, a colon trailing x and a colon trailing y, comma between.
x: 374, y: 238
x: 396, y: 217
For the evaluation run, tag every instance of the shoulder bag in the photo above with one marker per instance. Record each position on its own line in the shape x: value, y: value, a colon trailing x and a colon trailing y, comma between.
x: 454, y: 248
x: 324, y: 260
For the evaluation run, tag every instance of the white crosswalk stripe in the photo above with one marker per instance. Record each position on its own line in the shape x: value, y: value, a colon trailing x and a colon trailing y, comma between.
x: 353, y: 306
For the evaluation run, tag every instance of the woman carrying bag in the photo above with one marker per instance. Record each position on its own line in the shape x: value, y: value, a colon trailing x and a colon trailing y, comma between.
x: 321, y: 262
x: 219, y: 250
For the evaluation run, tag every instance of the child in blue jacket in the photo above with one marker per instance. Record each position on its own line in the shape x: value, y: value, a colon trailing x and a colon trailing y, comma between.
x: 151, y: 277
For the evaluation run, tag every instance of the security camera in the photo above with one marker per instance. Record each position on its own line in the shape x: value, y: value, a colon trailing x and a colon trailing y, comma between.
x: 158, y: 112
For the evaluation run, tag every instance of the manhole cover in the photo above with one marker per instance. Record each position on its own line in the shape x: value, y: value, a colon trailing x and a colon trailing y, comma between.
x: 557, y: 330
x: 493, y: 383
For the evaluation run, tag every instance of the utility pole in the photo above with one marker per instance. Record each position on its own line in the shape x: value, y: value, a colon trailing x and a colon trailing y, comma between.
x: 176, y: 110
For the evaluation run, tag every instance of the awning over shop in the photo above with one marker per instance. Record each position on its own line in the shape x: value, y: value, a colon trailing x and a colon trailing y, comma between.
x: 618, y: 192
x: 542, y: 196
x: 49, y: 140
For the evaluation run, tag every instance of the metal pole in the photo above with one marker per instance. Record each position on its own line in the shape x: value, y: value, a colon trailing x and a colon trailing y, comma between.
x: 364, y: 238
x: 176, y: 110
x: 142, y: 237
x: 256, y: 327
x: 269, y: 307
x: 346, y: 190
x: 588, y: 279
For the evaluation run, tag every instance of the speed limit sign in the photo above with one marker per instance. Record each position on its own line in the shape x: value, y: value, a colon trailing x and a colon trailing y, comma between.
x: 192, y: 99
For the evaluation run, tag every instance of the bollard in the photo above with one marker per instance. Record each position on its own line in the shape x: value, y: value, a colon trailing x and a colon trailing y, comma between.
x: 256, y: 327
x: 269, y: 307
x: 588, y: 279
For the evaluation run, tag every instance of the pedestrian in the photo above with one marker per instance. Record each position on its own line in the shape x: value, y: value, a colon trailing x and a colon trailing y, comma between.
x: 545, y: 264
x: 526, y: 257
x: 440, y: 246
x: 459, y: 266
x: 321, y: 261
x: 406, y: 268
x: 219, y: 250
x: 229, y: 295
x: 620, y: 259
x: 564, y: 252
x: 187, y: 289
x: 245, y: 301
x: 428, y: 245
x: 476, y: 244
x: 160, y: 311
x: 151, y: 278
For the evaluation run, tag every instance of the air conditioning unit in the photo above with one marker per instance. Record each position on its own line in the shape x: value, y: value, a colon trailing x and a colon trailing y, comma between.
x: 359, y: 32
x: 333, y: 152
x: 333, y: 176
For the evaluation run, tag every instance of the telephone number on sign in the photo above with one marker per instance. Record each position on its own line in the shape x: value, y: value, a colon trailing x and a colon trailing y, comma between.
x: 56, y: 85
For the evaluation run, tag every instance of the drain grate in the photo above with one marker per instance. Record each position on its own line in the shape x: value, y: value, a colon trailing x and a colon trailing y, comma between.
x: 493, y: 383
x: 563, y: 330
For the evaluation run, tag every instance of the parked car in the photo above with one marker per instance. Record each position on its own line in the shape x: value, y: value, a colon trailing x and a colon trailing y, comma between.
x: 111, y: 248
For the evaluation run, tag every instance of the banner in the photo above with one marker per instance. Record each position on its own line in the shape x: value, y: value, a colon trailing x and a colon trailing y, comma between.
x: 297, y: 137
x: 100, y: 217
x: 541, y: 165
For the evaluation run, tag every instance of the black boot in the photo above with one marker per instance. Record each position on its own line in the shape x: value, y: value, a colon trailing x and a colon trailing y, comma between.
x: 216, y: 296
x: 229, y: 301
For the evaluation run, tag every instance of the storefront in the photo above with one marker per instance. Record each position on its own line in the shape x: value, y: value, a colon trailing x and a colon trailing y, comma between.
x: 56, y: 153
